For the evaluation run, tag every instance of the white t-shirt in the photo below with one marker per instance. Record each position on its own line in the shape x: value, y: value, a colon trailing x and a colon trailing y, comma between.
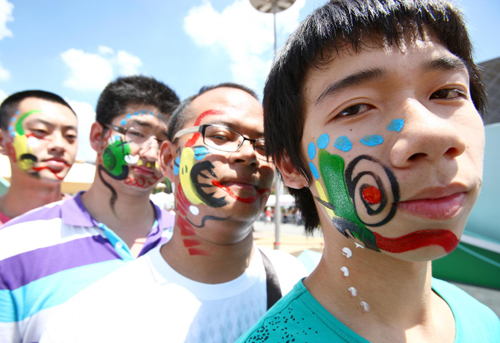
x: 148, y: 301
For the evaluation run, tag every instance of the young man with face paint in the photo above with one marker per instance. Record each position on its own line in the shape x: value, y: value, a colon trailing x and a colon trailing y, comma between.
x: 50, y: 254
x: 210, y: 282
x: 371, y: 114
x: 38, y: 132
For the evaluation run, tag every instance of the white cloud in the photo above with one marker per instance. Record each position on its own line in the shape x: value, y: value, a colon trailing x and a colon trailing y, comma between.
x: 3, y: 96
x: 105, y: 50
x: 245, y: 34
x: 86, y: 116
x: 128, y: 64
x: 92, y: 72
x: 87, y: 71
x: 6, y: 9
x: 4, y: 73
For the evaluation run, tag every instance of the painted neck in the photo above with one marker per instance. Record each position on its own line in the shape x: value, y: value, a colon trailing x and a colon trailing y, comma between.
x: 199, y: 253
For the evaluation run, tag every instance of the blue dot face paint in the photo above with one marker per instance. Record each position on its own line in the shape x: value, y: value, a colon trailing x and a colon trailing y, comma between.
x: 177, y: 163
x: 123, y: 122
x: 372, y: 140
x: 343, y: 143
x: 323, y: 141
x: 311, y: 150
x: 314, y: 170
x: 200, y: 152
x: 396, y: 125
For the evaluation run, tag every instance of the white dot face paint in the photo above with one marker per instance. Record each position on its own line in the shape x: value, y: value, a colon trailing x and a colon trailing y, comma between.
x: 33, y: 142
x: 347, y: 252
x: 359, y: 245
x: 194, y: 210
x: 345, y: 271
x: 364, y: 306
x: 353, y: 291
x: 131, y: 159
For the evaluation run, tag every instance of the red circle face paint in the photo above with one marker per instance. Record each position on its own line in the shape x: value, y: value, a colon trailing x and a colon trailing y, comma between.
x: 372, y: 195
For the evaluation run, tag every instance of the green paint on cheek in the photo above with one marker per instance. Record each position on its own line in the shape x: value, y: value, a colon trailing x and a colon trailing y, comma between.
x: 332, y: 173
x: 114, y: 158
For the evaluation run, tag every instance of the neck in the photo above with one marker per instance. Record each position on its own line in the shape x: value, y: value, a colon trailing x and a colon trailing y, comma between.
x: 398, y: 293
x: 200, y: 260
x: 131, y: 217
x: 27, y: 194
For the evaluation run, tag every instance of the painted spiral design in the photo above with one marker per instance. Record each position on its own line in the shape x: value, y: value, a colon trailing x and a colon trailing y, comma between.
x: 373, y: 189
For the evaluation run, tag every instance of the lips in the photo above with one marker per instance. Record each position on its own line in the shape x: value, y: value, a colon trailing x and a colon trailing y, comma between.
x: 248, y: 200
x: 56, y: 164
x: 143, y: 170
x: 439, y: 208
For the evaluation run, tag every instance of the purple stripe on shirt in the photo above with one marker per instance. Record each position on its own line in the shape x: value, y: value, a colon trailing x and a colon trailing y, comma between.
x: 41, y: 213
x: 19, y: 270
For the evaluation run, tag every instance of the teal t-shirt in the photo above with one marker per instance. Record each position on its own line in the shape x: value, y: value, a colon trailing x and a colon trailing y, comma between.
x: 299, y: 318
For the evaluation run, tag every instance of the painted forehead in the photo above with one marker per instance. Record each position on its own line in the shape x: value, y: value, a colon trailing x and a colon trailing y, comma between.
x: 136, y: 116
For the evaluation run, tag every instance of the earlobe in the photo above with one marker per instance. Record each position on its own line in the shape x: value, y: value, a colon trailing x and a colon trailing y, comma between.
x: 166, y: 160
x: 291, y: 177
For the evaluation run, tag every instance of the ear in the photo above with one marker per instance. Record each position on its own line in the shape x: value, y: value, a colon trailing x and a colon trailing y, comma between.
x: 291, y: 177
x: 166, y: 159
x: 96, y: 136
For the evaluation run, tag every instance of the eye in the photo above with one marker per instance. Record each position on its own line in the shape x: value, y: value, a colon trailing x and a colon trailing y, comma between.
x: 452, y: 93
x: 39, y: 132
x: 356, y: 109
x: 219, y: 134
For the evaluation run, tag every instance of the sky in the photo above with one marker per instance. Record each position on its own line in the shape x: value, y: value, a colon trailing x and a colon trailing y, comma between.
x: 74, y: 48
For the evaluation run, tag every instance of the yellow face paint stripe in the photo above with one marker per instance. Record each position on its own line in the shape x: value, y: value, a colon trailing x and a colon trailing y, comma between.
x: 323, y: 197
x: 186, y: 164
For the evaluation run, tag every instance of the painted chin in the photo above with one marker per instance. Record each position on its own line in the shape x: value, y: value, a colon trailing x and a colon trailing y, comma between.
x: 418, y: 239
x: 444, y: 208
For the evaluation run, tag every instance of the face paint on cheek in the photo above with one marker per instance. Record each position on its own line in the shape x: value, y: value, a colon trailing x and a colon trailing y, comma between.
x: 372, y: 140
x: 21, y: 147
x: 113, y: 158
x: 396, y: 125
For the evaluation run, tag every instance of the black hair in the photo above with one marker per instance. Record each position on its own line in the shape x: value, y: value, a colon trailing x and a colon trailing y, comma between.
x: 352, y: 24
x: 9, y: 106
x: 134, y: 90
x: 179, y: 116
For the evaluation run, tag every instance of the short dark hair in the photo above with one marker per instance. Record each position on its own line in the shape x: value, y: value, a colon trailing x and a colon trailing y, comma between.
x: 341, y: 24
x: 138, y: 89
x: 9, y: 106
x: 179, y: 116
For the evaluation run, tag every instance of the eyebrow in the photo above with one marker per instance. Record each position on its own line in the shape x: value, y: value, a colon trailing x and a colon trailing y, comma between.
x: 352, y: 80
x: 49, y: 124
x: 445, y: 64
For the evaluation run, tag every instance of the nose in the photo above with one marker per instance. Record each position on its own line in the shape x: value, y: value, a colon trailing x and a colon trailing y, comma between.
x: 426, y: 136
x: 246, y: 154
x: 56, y: 142
x: 150, y: 149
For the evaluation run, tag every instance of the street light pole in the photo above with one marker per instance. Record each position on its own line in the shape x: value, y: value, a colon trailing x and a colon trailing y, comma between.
x: 274, y: 7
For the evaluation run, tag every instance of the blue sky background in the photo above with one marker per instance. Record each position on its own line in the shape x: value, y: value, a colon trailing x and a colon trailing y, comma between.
x: 74, y: 48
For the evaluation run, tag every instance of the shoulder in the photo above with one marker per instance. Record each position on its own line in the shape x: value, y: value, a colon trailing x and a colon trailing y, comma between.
x: 472, y: 318
x: 290, y: 315
x: 47, y: 212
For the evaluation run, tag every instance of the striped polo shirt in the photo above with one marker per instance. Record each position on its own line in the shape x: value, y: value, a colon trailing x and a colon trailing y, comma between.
x: 51, y: 253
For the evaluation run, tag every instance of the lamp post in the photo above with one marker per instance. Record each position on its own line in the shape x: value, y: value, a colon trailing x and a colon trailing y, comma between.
x: 274, y: 6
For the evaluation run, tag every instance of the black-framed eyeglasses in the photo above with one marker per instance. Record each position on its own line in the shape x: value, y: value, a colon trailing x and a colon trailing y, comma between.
x: 223, y: 138
x: 136, y: 136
